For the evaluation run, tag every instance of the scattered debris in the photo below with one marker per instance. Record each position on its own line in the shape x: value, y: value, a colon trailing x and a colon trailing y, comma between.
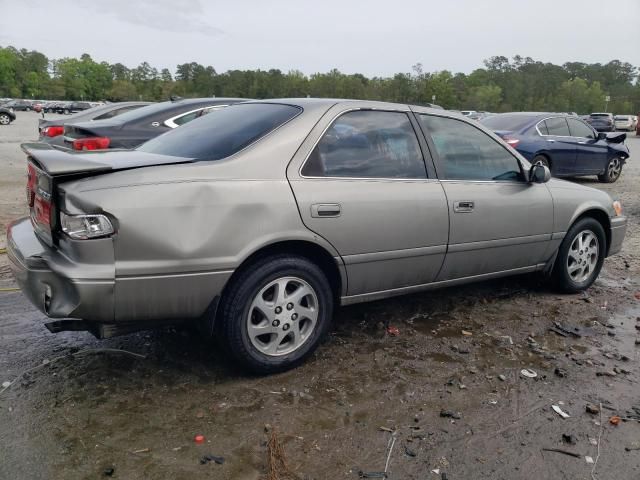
x: 588, y: 459
x: 559, y: 411
x: 564, y: 331
x: 385, y: 429
x: 606, y: 373
x: 591, y: 408
x: 6, y: 384
x: 527, y: 372
x: 565, y: 452
x: 560, y: 372
x: 211, y: 458
x: 502, y: 377
x: 109, y: 471
x: 199, y: 439
x: 467, y: 333
x: 409, y: 452
x: 568, y: 438
x: 393, y: 331
x: 450, y: 414
x: 141, y: 450
x: 362, y: 474
x: 615, y: 420
x: 633, y: 446
x: 637, y: 295
x: 278, y: 468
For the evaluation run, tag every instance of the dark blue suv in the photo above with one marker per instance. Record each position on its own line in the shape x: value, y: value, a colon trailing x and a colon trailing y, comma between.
x: 566, y: 144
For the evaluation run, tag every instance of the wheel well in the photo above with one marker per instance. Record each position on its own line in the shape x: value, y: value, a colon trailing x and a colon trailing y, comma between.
x: 602, y: 218
x: 309, y: 250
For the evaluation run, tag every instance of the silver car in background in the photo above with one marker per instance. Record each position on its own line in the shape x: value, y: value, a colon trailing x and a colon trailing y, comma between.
x: 259, y: 219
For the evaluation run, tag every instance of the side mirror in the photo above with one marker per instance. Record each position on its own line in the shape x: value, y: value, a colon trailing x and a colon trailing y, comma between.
x: 539, y: 173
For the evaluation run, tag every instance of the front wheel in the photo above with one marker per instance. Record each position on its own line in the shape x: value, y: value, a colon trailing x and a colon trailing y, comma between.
x: 66, y: 111
x: 4, y: 119
x: 275, y: 313
x: 580, y: 256
x: 612, y: 172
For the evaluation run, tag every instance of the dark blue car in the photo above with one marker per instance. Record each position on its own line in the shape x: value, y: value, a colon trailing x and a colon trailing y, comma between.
x: 566, y: 144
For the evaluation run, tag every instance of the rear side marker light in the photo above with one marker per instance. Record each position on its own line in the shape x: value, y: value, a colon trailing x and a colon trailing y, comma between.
x: 84, y: 227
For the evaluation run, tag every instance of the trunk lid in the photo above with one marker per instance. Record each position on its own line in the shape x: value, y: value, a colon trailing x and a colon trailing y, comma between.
x: 47, y: 166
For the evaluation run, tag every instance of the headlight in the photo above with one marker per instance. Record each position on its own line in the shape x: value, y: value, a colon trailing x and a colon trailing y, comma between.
x: 617, y: 206
x: 83, y: 227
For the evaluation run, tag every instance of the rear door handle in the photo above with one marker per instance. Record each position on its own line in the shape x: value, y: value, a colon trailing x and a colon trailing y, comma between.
x: 464, y: 206
x: 322, y: 210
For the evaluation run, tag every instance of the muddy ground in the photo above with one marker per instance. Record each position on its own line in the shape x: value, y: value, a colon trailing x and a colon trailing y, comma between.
x: 78, y: 416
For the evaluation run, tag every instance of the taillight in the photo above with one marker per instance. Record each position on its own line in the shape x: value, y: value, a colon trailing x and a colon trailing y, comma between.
x: 31, y: 184
x: 53, y: 131
x: 91, y: 143
x: 512, y: 142
x: 42, y: 210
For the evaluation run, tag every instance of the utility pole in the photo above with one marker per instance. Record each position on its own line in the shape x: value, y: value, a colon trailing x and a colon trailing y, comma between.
x: 606, y: 105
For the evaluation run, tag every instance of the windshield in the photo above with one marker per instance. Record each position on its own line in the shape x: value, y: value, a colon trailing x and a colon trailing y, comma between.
x: 222, y: 133
x: 507, y: 122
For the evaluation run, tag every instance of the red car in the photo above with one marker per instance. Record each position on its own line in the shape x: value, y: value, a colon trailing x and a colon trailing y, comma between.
x: 638, y: 126
x: 37, y: 107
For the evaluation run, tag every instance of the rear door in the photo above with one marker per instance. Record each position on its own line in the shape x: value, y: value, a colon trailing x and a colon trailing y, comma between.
x: 560, y: 144
x: 361, y: 183
x: 499, y: 222
x: 591, y: 153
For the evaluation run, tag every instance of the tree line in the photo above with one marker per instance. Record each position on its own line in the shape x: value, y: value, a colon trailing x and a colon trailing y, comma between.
x: 502, y: 84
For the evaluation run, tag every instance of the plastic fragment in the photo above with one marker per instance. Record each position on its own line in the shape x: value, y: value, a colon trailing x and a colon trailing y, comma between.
x: 615, y: 420
x: 199, y: 439
x: 393, y: 331
x: 559, y: 411
x: 6, y: 384
x: 527, y: 372
x: 588, y: 459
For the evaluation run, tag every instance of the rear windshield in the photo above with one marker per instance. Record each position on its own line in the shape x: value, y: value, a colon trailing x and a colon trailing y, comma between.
x: 595, y: 115
x: 621, y: 117
x: 221, y: 133
x: 506, y: 122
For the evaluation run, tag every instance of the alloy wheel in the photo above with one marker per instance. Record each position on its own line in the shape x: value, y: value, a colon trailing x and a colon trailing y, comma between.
x: 4, y: 120
x: 583, y: 256
x: 282, y: 316
x: 614, y: 168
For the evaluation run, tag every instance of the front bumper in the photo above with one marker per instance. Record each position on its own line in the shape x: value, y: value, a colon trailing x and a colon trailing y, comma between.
x: 618, y: 230
x: 52, y: 282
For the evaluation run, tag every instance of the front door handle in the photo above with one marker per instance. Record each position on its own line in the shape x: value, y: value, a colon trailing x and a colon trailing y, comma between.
x: 325, y: 210
x: 464, y: 206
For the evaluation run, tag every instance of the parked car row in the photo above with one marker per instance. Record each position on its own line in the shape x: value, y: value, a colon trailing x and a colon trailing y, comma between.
x: 256, y: 220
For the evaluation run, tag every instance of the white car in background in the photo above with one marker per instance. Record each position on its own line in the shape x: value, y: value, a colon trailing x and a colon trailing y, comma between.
x: 624, y: 122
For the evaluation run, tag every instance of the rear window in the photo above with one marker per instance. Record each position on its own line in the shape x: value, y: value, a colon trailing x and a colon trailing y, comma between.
x: 621, y: 117
x: 506, y: 122
x: 600, y: 115
x: 222, y: 133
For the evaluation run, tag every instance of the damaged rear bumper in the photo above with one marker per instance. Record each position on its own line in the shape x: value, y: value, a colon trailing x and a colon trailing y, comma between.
x: 57, y: 286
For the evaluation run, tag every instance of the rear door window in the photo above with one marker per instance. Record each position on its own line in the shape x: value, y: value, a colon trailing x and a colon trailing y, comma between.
x: 558, y: 127
x: 368, y: 144
x: 579, y: 129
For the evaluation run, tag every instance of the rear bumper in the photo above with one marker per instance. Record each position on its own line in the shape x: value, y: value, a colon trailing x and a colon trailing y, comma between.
x: 46, y: 278
x: 618, y: 230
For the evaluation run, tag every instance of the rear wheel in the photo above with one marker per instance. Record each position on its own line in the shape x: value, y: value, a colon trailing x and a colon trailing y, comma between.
x: 4, y: 119
x: 275, y: 313
x: 612, y: 172
x: 542, y: 159
x: 66, y: 111
x: 580, y: 256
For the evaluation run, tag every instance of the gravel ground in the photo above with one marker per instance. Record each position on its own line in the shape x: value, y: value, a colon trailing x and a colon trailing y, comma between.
x: 78, y: 416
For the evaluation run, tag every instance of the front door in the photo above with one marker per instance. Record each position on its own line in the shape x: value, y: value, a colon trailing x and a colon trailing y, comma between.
x: 591, y: 153
x: 498, y: 221
x: 363, y: 186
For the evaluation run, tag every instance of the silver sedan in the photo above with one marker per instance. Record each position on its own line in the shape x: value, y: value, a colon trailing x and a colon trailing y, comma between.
x: 256, y: 221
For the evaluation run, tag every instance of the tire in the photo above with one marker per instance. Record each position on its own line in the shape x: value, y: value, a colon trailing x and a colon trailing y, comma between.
x: 27, y: 109
x: 612, y: 172
x: 5, y: 119
x: 66, y: 111
x: 578, y: 265
x: 544, y: 160
x: 249, y: 305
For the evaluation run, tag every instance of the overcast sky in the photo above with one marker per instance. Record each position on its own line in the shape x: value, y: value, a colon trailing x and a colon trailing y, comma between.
x: 373, y: 37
